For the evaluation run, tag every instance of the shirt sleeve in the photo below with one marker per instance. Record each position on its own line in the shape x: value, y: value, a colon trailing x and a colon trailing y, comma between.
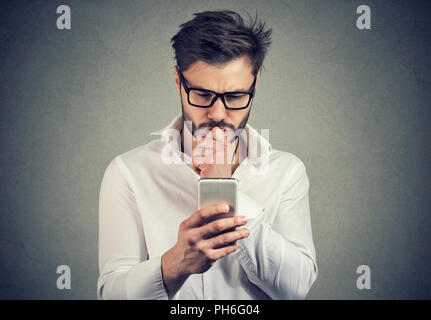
x: 125, y: 272
x: 280, y: 258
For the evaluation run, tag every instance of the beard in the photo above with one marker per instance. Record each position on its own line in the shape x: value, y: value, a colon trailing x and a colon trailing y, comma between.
x: 187, y: 120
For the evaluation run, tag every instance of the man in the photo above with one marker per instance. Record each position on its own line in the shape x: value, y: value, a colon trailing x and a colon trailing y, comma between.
x: 153, y: 242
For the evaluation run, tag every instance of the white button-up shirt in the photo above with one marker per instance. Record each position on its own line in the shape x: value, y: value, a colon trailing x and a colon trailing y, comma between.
x: 144, y: 198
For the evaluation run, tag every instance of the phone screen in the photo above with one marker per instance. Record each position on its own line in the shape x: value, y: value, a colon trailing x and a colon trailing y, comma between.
x: 213, y: 191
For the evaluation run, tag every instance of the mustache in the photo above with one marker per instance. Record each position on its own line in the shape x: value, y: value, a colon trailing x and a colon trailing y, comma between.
x: 208, y: 126
x: 212, y: 124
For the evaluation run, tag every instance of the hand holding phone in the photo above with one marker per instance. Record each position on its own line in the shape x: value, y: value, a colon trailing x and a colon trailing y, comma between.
x: 200, y: 244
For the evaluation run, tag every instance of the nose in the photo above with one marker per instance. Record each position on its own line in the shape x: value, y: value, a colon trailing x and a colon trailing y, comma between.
x: 217, y: 112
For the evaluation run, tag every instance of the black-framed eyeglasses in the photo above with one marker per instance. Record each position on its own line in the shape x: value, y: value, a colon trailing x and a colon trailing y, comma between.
x: 203, y: 98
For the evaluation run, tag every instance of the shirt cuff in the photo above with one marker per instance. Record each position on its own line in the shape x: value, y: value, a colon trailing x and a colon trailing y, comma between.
x: 245, y: 259
x: 145, y: 281
x: 254, y: 212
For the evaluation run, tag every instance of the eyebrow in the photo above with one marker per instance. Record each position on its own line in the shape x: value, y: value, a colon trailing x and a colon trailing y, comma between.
x: 199, y: 87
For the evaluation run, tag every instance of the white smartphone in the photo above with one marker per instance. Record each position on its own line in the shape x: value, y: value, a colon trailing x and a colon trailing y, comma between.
x: 213, y: 191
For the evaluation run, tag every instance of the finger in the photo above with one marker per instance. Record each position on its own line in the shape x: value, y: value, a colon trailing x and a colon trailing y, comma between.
x: 214, y: 147
x: 219, y: 155
x: 216, y: 227
x: 201, y: 216
x: 201, y: 133
x: 206, y: 148
x: 201, y: 160
x: 209, y: 140
x: 212, y: 144
x: 226, y: 238
x: 218, y: 146
x: 218, y: 159
x: 218, y: 134
x: 216, y: 254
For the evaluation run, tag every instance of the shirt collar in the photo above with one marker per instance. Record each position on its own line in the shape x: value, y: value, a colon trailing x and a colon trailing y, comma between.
x: 258, y: 149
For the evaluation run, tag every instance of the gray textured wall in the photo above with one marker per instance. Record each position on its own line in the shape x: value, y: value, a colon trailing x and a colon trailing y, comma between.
x: 353, y: 105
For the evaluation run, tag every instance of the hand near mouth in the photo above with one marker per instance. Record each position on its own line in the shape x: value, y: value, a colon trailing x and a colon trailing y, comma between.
x: 212, y: 158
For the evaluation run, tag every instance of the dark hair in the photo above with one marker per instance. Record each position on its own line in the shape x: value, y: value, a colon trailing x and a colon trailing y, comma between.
x: 217, y: 37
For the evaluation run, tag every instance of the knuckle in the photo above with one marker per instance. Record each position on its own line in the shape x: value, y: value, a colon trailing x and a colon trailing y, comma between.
x: 209, y: 256
x: 223, y: 207
x: 226, y: 238
x: 230, y: 249
x: 201, y: 214
x: 218, y: 225
x: 183, y: 225
x: 199, y: 246
x: 191, y: 239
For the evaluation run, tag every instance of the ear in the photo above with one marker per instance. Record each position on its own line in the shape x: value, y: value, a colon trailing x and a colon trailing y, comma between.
x: 177, y: 80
